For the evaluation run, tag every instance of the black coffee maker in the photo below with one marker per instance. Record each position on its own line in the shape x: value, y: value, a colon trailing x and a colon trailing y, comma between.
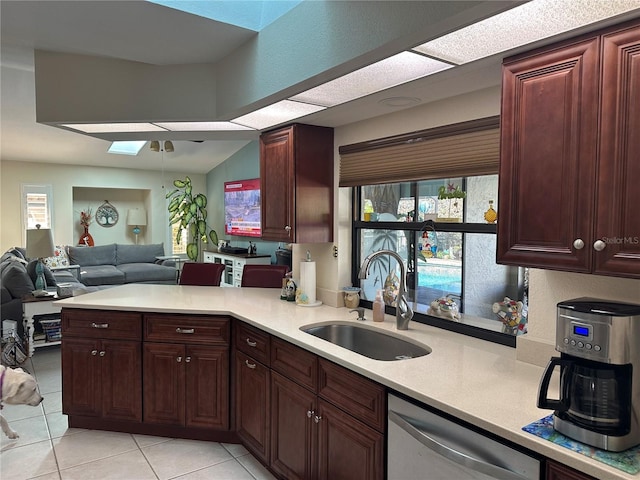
x: 599, y: 345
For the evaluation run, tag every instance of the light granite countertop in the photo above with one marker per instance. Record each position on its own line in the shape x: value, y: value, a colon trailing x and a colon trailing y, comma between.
x: 474, y: 380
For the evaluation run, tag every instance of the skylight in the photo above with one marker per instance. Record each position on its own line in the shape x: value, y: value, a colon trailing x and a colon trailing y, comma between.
x: 251, y: 14
x: 127, y: 147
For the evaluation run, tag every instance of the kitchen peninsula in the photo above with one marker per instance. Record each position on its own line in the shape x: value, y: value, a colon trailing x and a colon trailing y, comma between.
x: 475, y: 381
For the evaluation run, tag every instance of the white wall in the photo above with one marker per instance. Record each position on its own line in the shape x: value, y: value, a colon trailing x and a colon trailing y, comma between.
x: 125, y: 188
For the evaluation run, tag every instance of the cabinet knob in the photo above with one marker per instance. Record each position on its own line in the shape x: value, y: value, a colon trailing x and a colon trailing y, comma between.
x: 179, y: 359
x: 317, y: 418
x: 599, y: 245
x: 578, y: 244
x: 94, y: 352
x: 103, y: 353
x: 187, y: 359
x: 287, y: 228
x: 310, y: 413
x: 250, y: 365
x: 251, y: 343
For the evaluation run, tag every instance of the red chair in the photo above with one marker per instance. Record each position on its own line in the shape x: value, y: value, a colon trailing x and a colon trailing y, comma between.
x: 269, y: 276
x: 208, y: 274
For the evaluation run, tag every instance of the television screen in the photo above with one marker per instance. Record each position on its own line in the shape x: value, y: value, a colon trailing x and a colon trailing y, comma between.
x: 242, y: 208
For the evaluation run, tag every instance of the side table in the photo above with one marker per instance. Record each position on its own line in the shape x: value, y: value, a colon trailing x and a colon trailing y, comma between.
x: 74, y: 269
x: 176, y: 258
x: 32, y: 306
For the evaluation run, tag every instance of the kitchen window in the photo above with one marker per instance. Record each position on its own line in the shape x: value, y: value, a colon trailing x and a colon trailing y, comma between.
x: 449, y: 250
x: 424, y: 195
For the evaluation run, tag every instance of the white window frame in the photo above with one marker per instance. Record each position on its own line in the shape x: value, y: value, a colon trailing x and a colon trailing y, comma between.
x: 31, y: 189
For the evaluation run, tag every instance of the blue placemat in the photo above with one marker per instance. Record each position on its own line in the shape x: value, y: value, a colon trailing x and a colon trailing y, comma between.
x: 627, y: 461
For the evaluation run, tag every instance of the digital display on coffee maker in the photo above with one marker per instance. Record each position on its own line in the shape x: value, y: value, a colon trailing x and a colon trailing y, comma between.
x: 581, y: 330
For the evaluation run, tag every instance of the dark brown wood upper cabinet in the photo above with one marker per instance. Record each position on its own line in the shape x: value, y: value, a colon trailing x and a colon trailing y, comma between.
x: 569, y: 156
x: 296, y: 178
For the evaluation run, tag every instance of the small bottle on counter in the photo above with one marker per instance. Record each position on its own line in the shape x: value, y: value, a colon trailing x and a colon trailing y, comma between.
x: 378, y: 307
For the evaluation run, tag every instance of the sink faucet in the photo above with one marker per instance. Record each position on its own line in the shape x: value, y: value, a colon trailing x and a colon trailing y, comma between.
x: 403, y: 311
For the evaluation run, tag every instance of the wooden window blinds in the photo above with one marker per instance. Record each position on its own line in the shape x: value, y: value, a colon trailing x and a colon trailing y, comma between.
x: 457, y: 150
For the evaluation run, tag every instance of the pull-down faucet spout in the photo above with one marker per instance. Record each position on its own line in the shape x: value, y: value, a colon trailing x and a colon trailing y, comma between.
x: 403, y: 311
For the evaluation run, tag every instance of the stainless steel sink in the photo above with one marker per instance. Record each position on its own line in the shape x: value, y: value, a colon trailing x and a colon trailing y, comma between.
x: 367, y: 342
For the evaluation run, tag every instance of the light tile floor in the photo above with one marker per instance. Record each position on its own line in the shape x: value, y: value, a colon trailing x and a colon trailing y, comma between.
x: 48, y: 450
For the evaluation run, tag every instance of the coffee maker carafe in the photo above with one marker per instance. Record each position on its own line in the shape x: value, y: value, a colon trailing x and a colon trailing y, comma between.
x: 599, y: 345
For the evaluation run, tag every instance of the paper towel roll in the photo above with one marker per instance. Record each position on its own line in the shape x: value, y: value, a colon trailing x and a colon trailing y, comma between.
x: 307, y: 282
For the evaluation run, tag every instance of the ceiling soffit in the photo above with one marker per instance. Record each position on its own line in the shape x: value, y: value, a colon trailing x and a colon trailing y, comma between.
x: 313, y: 43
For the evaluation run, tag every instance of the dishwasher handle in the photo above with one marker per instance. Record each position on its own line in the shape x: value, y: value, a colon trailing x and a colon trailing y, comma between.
x: 432, y: 444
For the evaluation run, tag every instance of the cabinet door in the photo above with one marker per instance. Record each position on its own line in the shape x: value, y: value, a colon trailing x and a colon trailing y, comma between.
x: 277, y: 184
x: 618, y: 221
x: 207, y: 387
x: 557, y: 471
x: 253, y: 405
x: 347, y: 448
x: 121, y: 366
x: 164, y: 384
x: 81, y: 377
x: 293, y: 440
x: 548, y: 158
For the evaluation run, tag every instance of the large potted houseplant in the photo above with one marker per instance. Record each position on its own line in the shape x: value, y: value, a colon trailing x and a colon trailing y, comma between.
x: 189, y: 212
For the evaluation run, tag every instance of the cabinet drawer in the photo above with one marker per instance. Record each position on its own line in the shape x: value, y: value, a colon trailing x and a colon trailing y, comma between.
x: 239, y: 264
x: 353, y: 393
x: 208, y: 257
x: 101, y: 324
x: 210, y: 330
x: 253, y: 342
x: 294, y: 363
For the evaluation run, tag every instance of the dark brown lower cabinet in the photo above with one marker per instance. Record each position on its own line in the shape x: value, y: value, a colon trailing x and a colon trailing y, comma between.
x: 557, y: 471
x: 102, y: 378
x: 186, y: 385
x: 253, y: 405
x: 318, y: 431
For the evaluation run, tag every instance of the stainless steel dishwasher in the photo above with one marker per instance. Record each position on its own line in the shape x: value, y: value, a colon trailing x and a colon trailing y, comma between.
x: 423, y: 445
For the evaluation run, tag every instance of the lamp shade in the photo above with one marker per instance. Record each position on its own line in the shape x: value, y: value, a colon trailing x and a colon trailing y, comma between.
x: 136, y: 217
x: 40, y: 243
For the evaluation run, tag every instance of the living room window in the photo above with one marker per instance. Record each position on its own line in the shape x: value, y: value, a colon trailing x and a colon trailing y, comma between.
x: 37, y: 201
x: 178, y: 248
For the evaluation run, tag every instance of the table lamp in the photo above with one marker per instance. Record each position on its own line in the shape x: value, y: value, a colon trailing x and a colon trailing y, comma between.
x: 136, y: 218
x: 40, y: 245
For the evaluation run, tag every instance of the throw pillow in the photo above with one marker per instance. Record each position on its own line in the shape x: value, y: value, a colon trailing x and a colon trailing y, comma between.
x: 16, y: 279
x: 59, y: 259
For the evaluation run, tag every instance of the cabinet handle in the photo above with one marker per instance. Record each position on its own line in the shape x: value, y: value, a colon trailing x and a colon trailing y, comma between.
x: 310, y: 413
x: 187, y: 359
x: 94, y: 352
x: 185, y: 330
x: 99, y: 325
x: 599, y: 245
x: 179, y: 359
x: 287, y: 228
x: 250, y: 365
x: 103, y: 353
x: 578, y: 244
x: 317, y: 418
x: 251, y: 344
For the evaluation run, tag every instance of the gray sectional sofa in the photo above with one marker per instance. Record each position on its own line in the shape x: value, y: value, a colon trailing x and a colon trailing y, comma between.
x: 117, y: 264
